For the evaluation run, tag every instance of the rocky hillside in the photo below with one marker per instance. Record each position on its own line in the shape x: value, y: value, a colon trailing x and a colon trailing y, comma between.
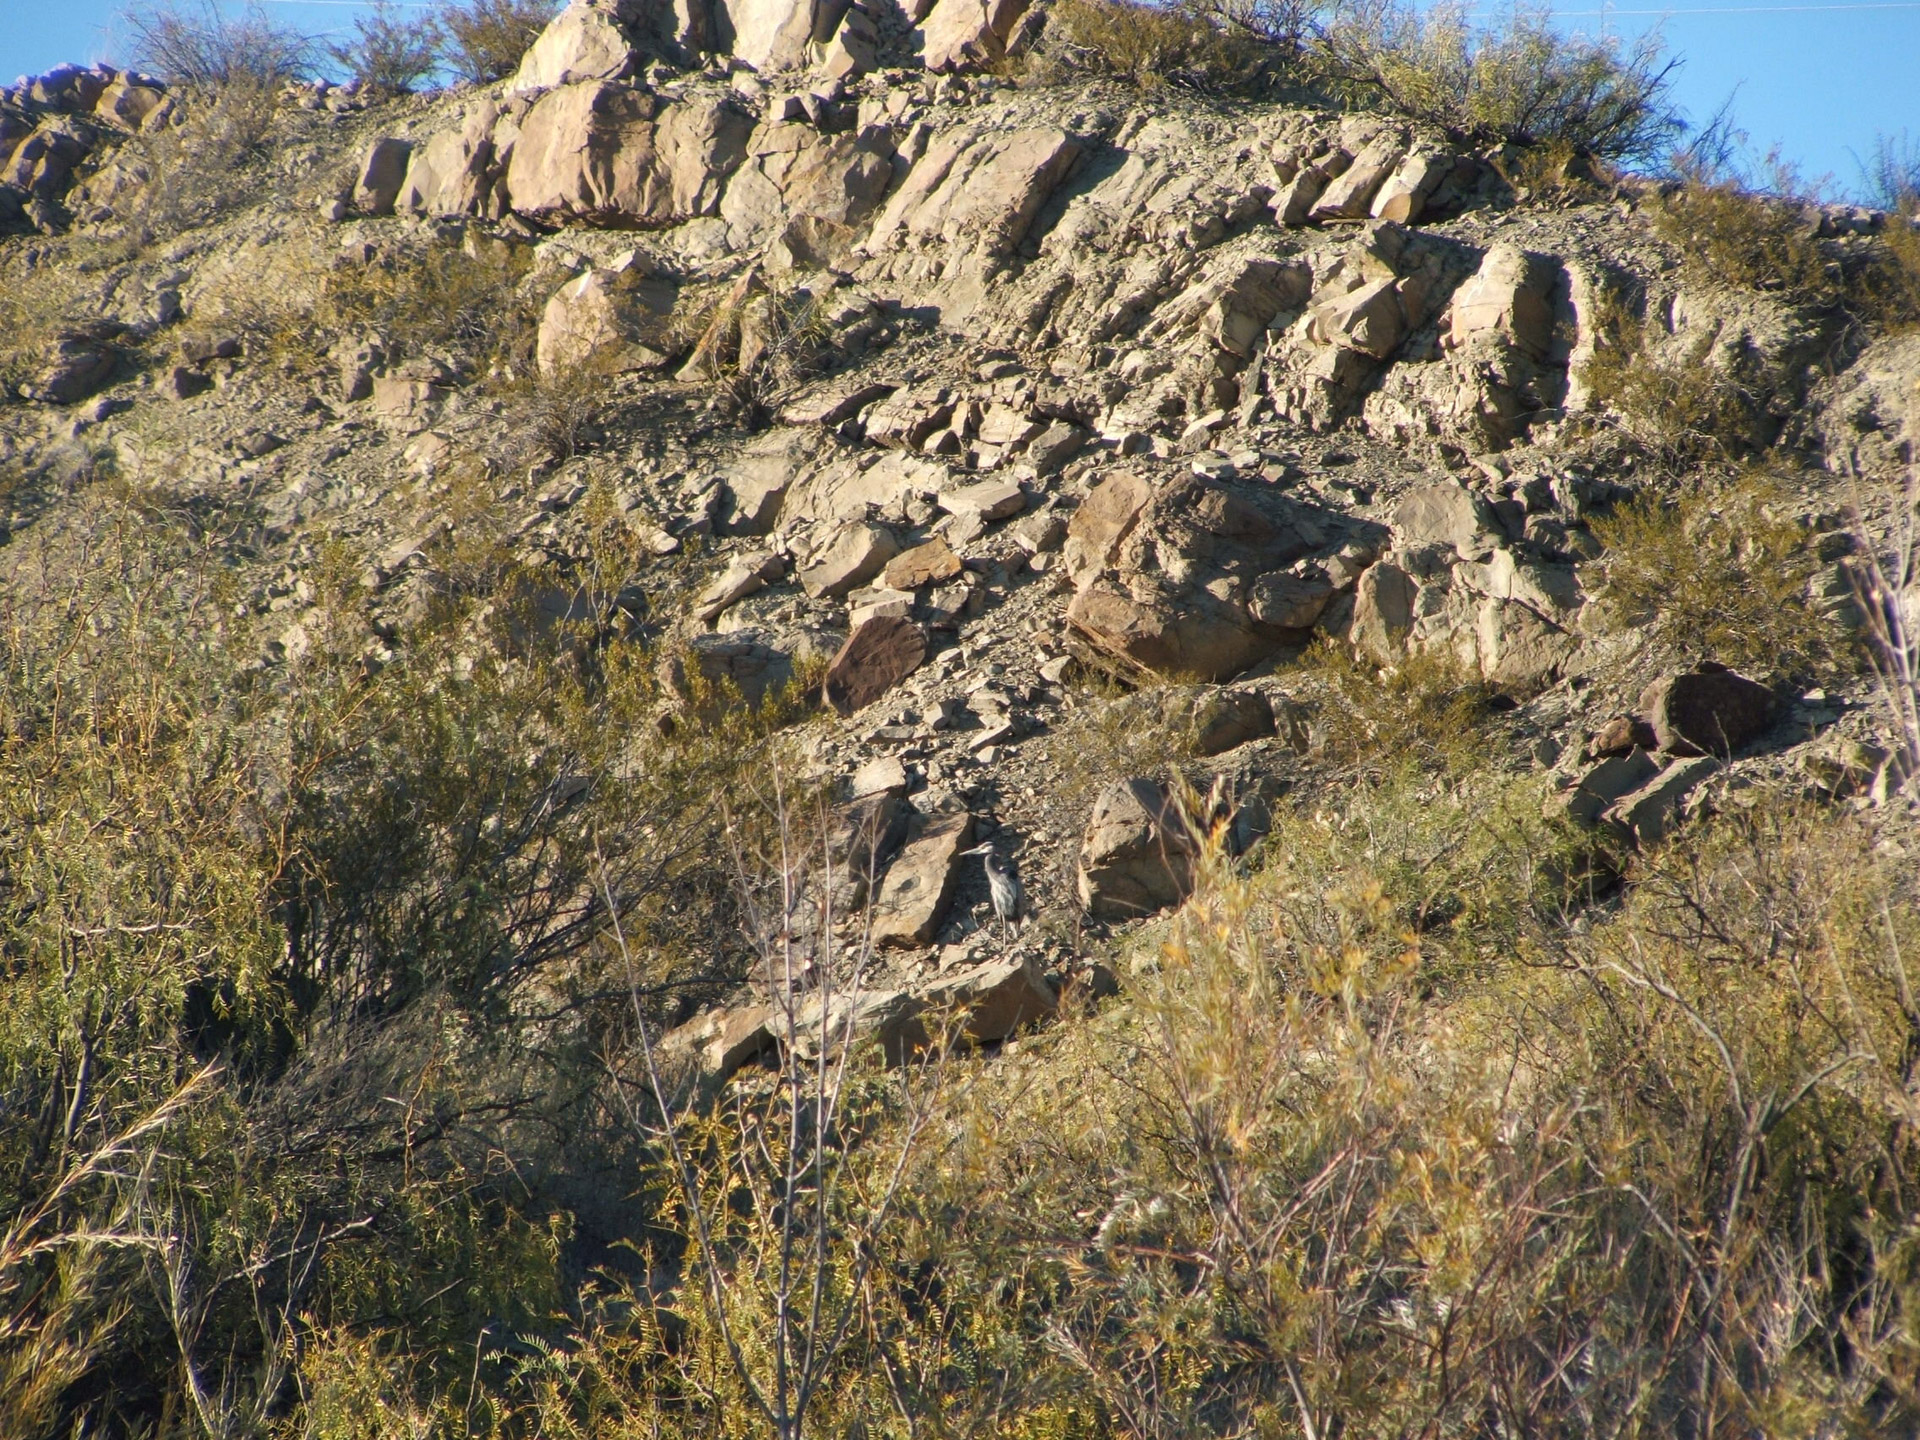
x: 1124, y: 481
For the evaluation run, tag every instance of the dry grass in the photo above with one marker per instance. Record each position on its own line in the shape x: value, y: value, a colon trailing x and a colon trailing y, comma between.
x: 483, y: 40
x: 1427, y: 710
x: 1154, y: 46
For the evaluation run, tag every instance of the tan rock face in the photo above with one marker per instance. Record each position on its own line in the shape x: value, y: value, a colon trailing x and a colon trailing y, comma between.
x: 383, y: 170
x: 991, y: 1000
x: 1174, y: 594
x: 1350, y: 195
x: 616, y: 156
x: 603, y: 316
x: 793, y: 171
x: 976, y: 191
x: 458, y: 172
x: 769, y: 34
x: 968, y: 34
x: 1510, y: 297
x: 927, y: 564
x: 854, y: 556
x: 919, y: 884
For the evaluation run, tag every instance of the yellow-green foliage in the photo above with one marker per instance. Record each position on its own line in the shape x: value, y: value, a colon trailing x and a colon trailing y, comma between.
x: 293, y: 960
x: 1723, y: 572
x: 461, y: 298
x: 1427, y: 710
x: 1292, y: 1185
x: 1731, y: 235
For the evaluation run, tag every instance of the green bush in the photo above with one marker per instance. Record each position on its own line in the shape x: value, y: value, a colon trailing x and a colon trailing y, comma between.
x: 1724, y: 572
x: 303, y: 970
x: 1521, y: 81
x: 1682, y: 409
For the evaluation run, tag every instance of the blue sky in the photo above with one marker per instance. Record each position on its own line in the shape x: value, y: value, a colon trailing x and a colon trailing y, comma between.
x: 1819, y: 80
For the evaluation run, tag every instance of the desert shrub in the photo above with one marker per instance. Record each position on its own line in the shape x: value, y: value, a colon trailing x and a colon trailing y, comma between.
x: 190, y: 174
x: 1884, y: 288
x: 1682, y: 409
x: 435, y: 297
x: 1892, y: 173
x: 202, y: 46
x: 1732, y: 235
x: 1152, y: 45
x: 1723, y: 573
x: 1426, y: 709
x: 1293, y: 1188
x: 388, y: 54
x: 303, y: 971
x: 1523, y: 81
x: 483, y: 40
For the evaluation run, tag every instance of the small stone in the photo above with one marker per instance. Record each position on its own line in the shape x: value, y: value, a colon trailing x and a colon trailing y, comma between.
x: 989, y: 500
x: 880, y: 776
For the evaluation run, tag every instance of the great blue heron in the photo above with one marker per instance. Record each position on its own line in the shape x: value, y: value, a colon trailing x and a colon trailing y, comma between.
x: 1002, y: 882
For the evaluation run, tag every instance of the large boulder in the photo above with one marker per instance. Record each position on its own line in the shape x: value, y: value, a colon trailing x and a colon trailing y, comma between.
x: 458, y: 172
x: 793, y: 171
x: 615, y: 155
x: 919, y: 884
x: 1138, y: 854
x: 1709, y: 710
x: 991, y: 1000
x: 585, y: 41
x: 775, y: 34
x: 1452, y: 586
x: 1183, y: 580
x: 383, y: 170
x: 877, y: 656
x: 976, y: 191
x: 605, y: 316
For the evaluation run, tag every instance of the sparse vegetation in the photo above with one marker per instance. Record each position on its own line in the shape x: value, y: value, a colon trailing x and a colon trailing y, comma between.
x: 370, y: 828
x: 1679, y: 404
x: 483, y: 40
x: 389, y: 54
x: 198, y: 44
x: 1152, y: 45
x: 1522, y: 81
x: 1724, y: 572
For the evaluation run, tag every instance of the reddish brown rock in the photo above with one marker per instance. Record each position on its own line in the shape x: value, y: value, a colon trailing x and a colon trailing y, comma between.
x: 1709, y: 710
x: 926, y: 564
x: 877, y: 656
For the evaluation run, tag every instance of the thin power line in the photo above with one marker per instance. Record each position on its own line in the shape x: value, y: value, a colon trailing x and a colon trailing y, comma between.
x: 1703, y: 10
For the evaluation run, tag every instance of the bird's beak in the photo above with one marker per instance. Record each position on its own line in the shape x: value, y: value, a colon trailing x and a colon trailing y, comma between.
x: 977, y: 850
